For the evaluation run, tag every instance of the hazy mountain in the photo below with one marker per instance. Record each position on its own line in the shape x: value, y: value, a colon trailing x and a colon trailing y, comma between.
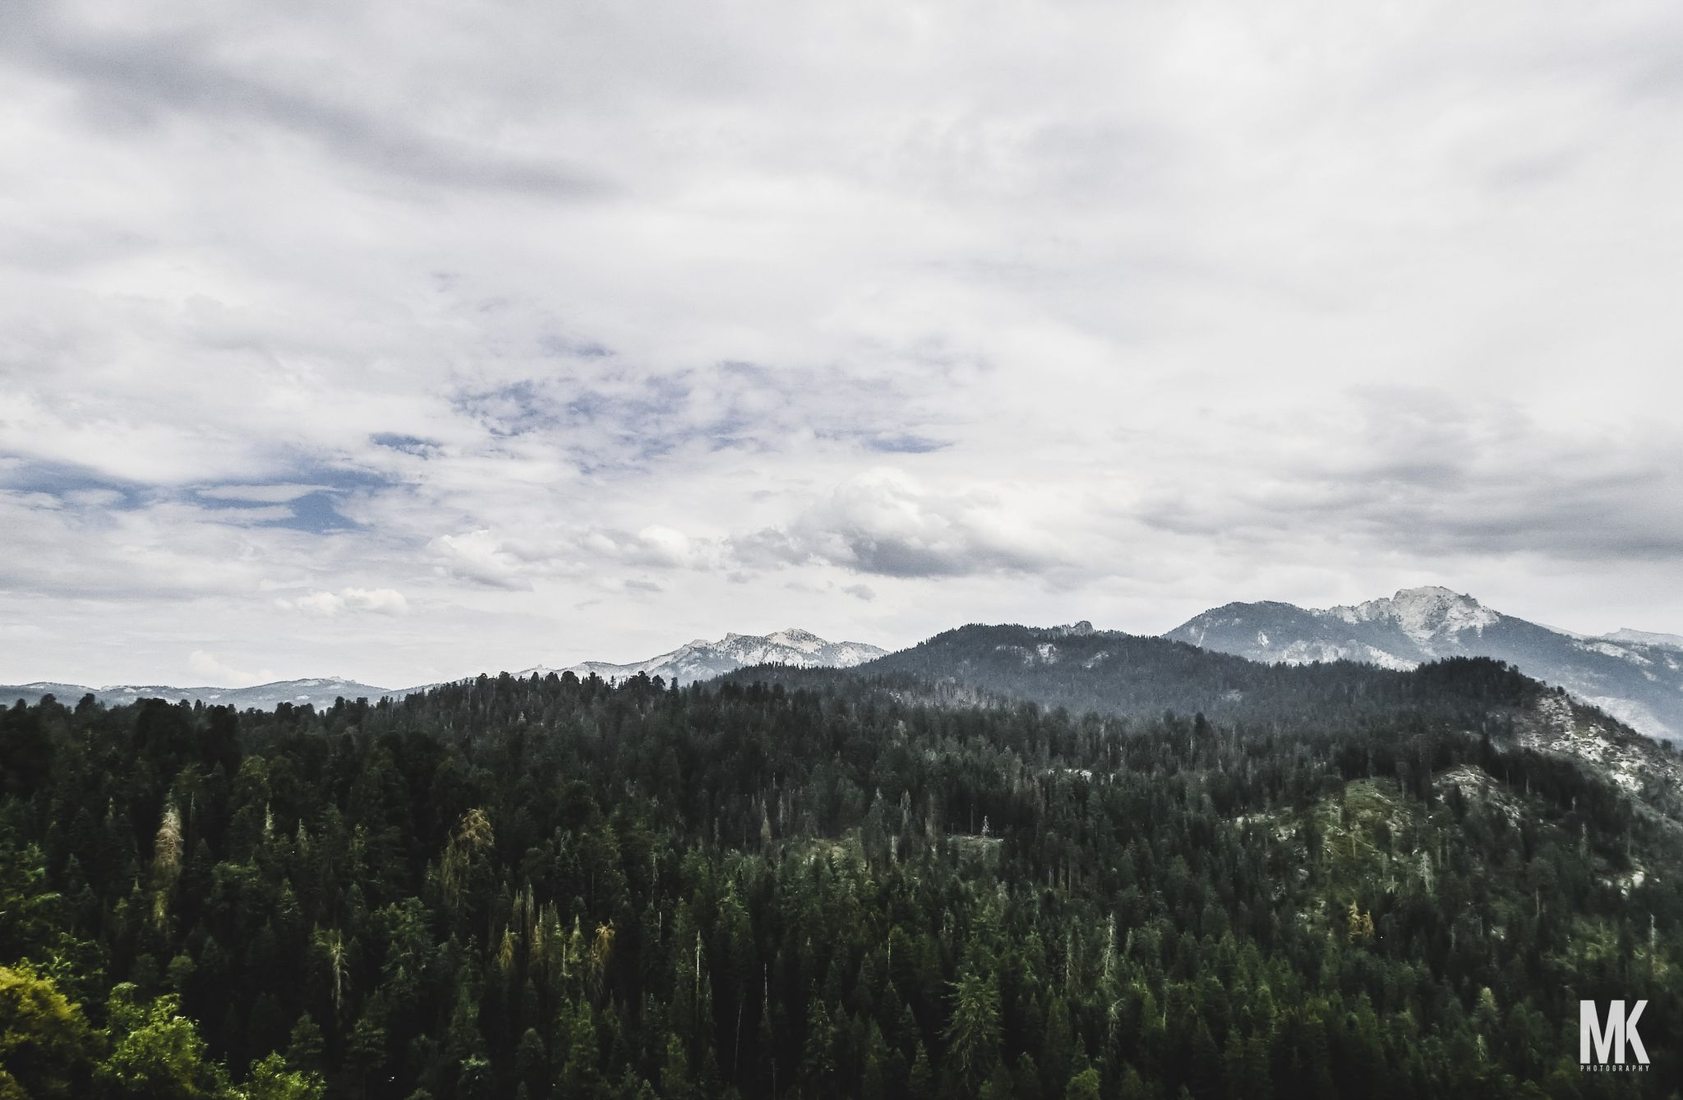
x: 319, y: 691
x: 699, y: 660
x: 1141, y: 678
x: 703, y: 660
x: 1636, y: 677
x: 1644, y: 637
x: 1138, y: 677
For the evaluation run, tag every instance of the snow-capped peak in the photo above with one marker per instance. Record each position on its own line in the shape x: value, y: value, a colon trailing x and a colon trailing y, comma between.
x: 796, y: 638
x: 1423, y: 613
x: 703, y: 660
x: 1637, y: 677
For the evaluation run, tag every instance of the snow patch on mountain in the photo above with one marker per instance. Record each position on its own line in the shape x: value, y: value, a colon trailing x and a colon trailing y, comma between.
x: 703, y: 660
x: 1627, y: 673
x: 1560, y: 730
x: 318, y: 691
x: 1423, y: 614
x: 1306, y: 652
x: 1623, y: 652
x: 1645, y: 637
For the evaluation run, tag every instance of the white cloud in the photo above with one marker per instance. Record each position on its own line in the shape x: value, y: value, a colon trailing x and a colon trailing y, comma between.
x: 259, y: 494
x: 480, y: 557
x: 655, y: 546
x: 379, y: 601
x: 219, y: 674
x: 1067, y: 312
x: 883, y: 522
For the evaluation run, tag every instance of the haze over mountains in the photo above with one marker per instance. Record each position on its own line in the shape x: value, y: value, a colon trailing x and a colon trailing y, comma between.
x: 703, y: 660
x: 1633, y: 675
x: 697, y: 660
x: 319, y: 691
x: 1140, y: 678
x: 1636, y: 676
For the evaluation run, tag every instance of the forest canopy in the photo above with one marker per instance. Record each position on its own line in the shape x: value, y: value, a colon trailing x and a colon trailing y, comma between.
x: 846, y: 886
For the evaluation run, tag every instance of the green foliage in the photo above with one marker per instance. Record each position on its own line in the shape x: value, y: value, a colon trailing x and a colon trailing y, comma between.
x: 32, y: 911
x: 46, y: 1046
x: 1337, y: 881
x: 156, y: 1053
x: 1083, y: 1086
x: 973, y: 1034
x: 272, y: 1080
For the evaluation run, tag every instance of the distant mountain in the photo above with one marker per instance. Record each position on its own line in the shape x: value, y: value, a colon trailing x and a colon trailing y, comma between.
x: 1132, y: 676
x: 703, y: 660
x: 1644, y: 637
x: 319, y: 691
x: 1634, y: 676
x: 699, y: 660
x: 1139, y: 678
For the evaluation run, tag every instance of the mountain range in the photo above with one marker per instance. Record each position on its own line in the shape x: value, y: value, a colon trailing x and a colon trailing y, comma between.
x: 1300, y: 854
x: 1633, y: 675
x: 1142, y: 680
x: 317, y: 691
x: 703, y: 660
x: 697, y: 660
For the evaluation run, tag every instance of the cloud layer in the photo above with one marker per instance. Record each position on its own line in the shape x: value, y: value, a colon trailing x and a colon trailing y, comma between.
x: 377, y: 340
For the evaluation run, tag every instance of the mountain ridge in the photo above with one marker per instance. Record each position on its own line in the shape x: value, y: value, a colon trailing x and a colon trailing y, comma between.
x: 696, y: 660
x: 702, y: 660
x: 1637, y: 680
x: 318, y: 691
x: 1139, y: 678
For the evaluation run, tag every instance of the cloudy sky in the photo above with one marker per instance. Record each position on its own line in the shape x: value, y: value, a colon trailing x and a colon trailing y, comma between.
x: 401, y: 340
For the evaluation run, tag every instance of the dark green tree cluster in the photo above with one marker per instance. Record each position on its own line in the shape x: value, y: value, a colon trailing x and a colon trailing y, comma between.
x: 560, y: 888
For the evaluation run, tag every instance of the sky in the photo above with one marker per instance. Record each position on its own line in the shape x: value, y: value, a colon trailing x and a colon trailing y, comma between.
x: 406, y: 340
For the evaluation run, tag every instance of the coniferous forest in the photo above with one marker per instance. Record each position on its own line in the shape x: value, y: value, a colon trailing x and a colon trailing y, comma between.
x: 1356, y: 884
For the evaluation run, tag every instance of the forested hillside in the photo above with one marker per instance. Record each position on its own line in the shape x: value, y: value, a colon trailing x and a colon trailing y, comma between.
x: 1130, y: 675
x: 1637, y: 676
x: 1362, y: 886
